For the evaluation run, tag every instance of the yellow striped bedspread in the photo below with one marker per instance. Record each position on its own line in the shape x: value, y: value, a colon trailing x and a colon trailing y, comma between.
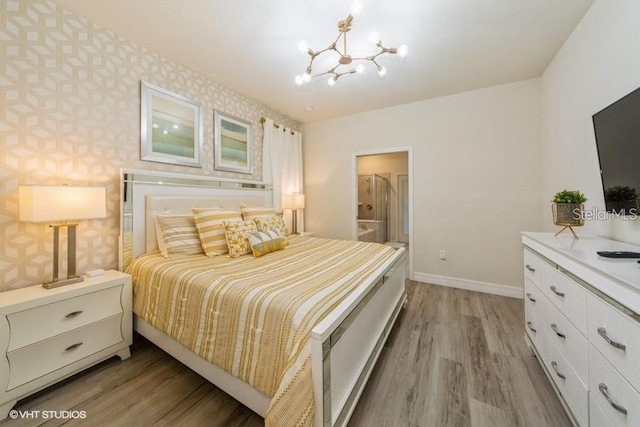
x: 253, y: 316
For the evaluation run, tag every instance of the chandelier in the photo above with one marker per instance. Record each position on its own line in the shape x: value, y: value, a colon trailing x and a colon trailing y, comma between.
x: 345, y: 59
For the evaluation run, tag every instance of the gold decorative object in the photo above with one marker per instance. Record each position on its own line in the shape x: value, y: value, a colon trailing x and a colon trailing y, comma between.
x: 339, y: 47
x: 568, y: 215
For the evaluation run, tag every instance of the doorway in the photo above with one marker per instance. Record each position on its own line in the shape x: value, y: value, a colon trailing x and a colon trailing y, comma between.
x: 382, y: 197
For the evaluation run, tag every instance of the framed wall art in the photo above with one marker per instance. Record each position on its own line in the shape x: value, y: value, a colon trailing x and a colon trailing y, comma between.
x: 232, y: 144
x: 171, y: 127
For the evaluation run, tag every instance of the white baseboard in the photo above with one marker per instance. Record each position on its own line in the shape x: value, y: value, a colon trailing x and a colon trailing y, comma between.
x: 469, y: 285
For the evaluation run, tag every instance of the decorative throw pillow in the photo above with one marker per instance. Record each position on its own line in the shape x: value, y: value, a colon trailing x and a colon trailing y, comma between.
x: 264, y: 242
x: 236, y: 234
x: 257, y: 212
x: 177, y: 235
x: 271, y: 222
x: 210, y: 225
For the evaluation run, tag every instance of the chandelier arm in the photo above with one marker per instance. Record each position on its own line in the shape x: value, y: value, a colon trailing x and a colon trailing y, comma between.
x: 374, y: 61
x: 329, y: 71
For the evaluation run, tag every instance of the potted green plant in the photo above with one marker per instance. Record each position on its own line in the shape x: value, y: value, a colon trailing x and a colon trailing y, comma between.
x: 621, y: 199
x: 568, y: 207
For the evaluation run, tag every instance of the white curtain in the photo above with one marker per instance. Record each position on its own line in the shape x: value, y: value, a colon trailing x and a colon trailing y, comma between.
x: 282, y: 165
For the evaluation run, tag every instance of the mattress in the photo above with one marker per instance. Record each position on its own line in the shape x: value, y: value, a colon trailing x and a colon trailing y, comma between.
x: 253, y: 317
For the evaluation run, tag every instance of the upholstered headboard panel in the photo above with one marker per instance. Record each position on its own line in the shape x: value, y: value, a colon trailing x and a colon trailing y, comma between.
x: 145, y: 194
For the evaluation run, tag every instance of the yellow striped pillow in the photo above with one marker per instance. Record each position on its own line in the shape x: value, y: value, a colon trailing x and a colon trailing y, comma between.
x: 177, y: 235
x: 264, y: 242
x: 210, y: 225
x: 236, y: 234
x: 256, y: 212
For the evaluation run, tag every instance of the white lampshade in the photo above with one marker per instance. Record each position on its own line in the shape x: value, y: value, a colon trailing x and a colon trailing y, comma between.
x: 293, y: 201
x: 40, y: 203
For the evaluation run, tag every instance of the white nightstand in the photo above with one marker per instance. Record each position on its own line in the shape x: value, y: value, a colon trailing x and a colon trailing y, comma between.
x: 50, y: 334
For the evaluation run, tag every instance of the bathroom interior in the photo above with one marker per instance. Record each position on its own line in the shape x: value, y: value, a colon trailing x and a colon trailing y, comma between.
x: 383, y: 198
x: 373, y: 208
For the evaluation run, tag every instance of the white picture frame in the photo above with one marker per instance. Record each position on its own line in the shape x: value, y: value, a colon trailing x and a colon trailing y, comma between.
x: 171, y: 127
x: 233, y: 141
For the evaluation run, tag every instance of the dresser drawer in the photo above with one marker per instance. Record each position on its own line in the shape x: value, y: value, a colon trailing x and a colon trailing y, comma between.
x: 597, y: 416
x: 532, y: 265
x: 608, y: 331
x: 533, y: 304
x: 568, y: 296
x: 46, y: 321
x: 44, y: 357
x: 573, y: 390
x: 619, y: 401
x: 571, y: 342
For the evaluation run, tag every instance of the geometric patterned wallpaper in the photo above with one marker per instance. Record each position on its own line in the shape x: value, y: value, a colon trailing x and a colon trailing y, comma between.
x: 70, y: 113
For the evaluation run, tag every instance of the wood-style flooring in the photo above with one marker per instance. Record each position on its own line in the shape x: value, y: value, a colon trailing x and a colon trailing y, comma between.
x: 455, y: 358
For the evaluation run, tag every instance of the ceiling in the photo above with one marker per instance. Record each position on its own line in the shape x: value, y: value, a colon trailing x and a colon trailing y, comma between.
x: 250, y: 46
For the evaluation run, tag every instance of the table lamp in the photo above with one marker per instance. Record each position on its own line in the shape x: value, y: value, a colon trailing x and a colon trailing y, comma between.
x: 293, y: 202
x: 62, y: 206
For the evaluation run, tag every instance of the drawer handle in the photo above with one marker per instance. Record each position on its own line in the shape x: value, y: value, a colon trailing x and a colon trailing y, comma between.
x: 530, y: 325
x: 558, y: 333
x: 73, y: 346
x: 554, y: 365
x: 532, y: 299
x: 555, y: 291
x: 605, y: 392
x: 603, y: 333
x: 531, y: 269
x: 73, y: 313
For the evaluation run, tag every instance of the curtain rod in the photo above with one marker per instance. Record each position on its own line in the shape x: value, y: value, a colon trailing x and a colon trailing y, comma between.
x: 262, y: 120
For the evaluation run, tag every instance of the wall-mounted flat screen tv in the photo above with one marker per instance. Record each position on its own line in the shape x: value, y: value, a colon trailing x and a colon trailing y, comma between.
x: 617, y: 130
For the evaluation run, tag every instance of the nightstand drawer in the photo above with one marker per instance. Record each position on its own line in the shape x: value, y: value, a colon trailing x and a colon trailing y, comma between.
x: 37, y: 324
x: 31, y: 362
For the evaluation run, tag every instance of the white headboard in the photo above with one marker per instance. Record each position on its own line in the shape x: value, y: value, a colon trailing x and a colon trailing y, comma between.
x: 146, y: 194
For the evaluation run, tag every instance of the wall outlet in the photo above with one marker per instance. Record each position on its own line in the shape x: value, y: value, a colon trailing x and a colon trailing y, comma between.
x: 443, y: 254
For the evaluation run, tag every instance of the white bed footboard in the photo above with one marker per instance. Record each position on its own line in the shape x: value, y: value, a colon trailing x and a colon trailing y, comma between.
x: 347, y: 343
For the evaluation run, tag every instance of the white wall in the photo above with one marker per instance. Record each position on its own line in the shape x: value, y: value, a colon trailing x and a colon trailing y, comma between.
x: 598, y: 64
x: 476, y: 177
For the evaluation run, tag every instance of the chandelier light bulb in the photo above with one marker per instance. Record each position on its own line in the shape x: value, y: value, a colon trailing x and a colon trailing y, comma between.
x: 356, y: 8
x: 306, y: 78
x: 299, y: 80
x: 382, y: 71
x: 331, y: 81
x: 403, y: 50
x: 360, y: 69
x: 374, y: 37
x: 303, y: 46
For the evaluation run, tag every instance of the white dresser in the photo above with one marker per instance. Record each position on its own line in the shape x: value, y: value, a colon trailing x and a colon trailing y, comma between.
x: 582, y: 321
x: 50, y: 334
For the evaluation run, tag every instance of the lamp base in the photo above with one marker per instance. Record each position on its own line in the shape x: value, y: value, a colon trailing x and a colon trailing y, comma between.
x: 63, y: 282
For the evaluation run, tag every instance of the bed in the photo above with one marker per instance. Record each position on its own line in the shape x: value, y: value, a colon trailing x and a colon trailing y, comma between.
x: 293, y: 349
